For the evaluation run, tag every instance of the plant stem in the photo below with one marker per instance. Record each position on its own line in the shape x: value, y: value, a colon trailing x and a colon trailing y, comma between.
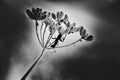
x: 38, y: 35
x: 39, y: 57
x: 31, y: 68
x: 44, y: 34
x: 41, y: 32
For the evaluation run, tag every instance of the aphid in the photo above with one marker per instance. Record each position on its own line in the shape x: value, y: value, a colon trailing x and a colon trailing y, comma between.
x: 56, y: 40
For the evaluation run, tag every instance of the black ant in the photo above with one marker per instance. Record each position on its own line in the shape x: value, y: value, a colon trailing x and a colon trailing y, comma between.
x: 56, y: 40
x: 53, y: 44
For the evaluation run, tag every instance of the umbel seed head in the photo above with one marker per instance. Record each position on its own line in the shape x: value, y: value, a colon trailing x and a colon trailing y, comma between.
x: 36, y: 14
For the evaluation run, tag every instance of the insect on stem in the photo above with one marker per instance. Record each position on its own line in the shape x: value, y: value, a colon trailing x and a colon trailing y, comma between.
x: 67, y: 44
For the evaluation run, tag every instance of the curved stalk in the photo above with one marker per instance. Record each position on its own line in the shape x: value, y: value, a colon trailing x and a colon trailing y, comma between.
x: 66, y: 45
x: 41, y: 27
x: 38, y: 59
x: 31, y: 68
x: 38, y: 35
x: 44, y: 34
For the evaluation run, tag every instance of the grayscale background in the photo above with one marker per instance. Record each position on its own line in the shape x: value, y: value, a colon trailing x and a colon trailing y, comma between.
x: 99, y: 60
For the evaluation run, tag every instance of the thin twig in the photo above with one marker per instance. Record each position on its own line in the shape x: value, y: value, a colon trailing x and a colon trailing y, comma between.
x: 31, y: 68
x: 66, y: 45
x: 38, y: 35
x: 41, y: 27
x: 44, y: 34
x: 38, y: 59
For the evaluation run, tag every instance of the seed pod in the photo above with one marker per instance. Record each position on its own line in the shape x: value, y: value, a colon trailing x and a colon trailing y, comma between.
x: 42, y: 17
x: 53, y: 16
x: 68, y: 24
x: 61, y: 14
x: 48, y: 15
x: 37, y: 10
x: 81, y: 29
x: 71, y: 30
x: 30, y: 14
x: 33, y: 10
x: 66, y: 18
x: 60, y: 29
x: 89, y: 38
x: 58, y: 13
x: 51, y: 28
x: 44, y: 12
x: 77, y: 29
x: 74, y: 24
x: 84, y: 32
x: 61, y: 20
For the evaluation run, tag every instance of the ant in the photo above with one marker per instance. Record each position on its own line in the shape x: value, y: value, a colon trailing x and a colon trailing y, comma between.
x: 53, y: 45
x: 56, y: 40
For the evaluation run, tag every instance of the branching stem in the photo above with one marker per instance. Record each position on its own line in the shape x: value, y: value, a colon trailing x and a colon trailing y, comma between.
x: 38, y: 35
x: 39, y: 57
x: 44, y: 34
x: 41, y: 27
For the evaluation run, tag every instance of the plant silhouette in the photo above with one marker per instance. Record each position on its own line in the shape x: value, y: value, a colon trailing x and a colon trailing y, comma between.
x: 53, y: 22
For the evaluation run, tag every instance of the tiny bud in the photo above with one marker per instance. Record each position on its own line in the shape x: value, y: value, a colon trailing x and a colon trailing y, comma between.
x: 48, y: 15
x: 33, y: 10
x: 78, y: 29
x: 51, y: 28
x: 66, y: 18
x: 81, y: 29
x: 30, y: 14
x: 58, y: 13
x: 75, y: 29
x: 61, y: 14
x: 42, y: 17
x: 89, y: 38
x: 74, y: 24
x: 53, y: 16
x: 84, y: 32
x: 68, y: 24
x: 44, y: 13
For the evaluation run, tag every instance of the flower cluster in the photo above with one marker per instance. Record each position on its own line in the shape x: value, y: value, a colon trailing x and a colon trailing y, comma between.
x: 59, y: 17
x: 36, y: 14
x: 85, y: 35
x: 54, y: 20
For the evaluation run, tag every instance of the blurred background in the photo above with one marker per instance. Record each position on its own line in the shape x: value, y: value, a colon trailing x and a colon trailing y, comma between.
x: 98, y: 60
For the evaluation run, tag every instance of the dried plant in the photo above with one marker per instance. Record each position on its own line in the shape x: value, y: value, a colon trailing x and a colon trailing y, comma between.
x: 53, y: 22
